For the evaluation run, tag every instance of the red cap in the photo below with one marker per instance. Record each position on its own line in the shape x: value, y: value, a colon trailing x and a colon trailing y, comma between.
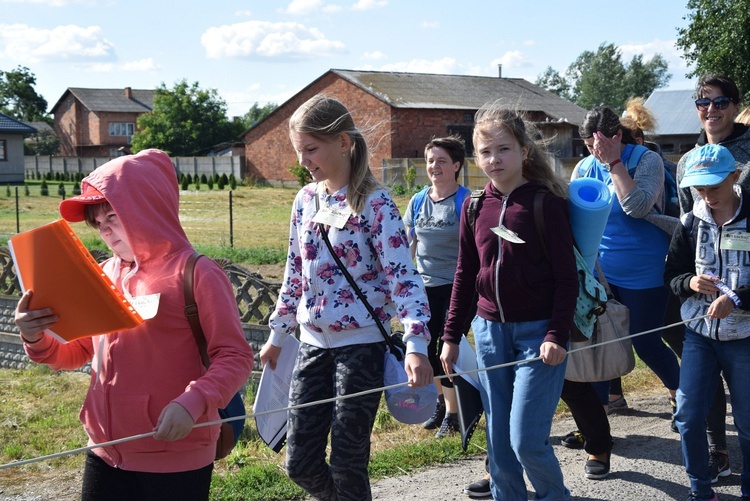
x: 72, y: 209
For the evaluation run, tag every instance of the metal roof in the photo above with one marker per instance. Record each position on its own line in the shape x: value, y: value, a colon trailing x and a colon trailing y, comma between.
x: 674, y: 111
x: 113, y: 100
x: 13, y: 126
x: 431, y: 91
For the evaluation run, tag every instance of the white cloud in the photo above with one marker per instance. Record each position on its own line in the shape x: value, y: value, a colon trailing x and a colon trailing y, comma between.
x: 51, y: 3
x: 243, y: 13
x: 678, y: 67
x: 374, y: 56
x: 139, y: 66
x: 300, y: 7
x: 268, y: 40
x: 63, y: 43
x: 513, y: 59
x: 369, y: 4
x: 430, y: 25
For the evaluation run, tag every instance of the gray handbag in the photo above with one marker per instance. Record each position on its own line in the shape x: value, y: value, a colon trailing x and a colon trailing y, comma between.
x: 606, y: 355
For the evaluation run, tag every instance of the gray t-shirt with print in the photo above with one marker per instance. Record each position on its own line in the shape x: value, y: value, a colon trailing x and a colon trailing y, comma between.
x: 436, y: 229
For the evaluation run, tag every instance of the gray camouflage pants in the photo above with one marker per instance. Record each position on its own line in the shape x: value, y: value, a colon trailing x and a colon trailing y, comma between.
x: 321, y: 374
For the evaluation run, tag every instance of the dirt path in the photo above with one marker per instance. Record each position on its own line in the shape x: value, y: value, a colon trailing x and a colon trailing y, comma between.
x: 646, y: 464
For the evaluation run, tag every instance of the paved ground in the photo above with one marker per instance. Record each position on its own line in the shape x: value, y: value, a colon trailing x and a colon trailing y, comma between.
x: 646, y: 464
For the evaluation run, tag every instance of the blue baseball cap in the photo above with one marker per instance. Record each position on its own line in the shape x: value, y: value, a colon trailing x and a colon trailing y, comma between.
x: 407, y: 405
x: 708, y: 165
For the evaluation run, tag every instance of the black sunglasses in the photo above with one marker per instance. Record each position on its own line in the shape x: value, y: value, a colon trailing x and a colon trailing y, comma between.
x: 720, y: 103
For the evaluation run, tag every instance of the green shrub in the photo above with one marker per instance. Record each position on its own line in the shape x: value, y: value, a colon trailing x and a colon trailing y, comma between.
x: 302, y: 174
x: 43, y: 189
x: 26, y: 190
x: 61, y: 189
x: 184, y: 185
x: 210, y: 183
x: 233, y: 182
x: 204, y: 179
x: 7, y: 190
x: 410, y: 177
x: 398, y: 189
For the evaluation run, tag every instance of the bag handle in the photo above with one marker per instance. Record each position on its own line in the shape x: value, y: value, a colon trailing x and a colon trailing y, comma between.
x: 602, y: 278
x: 354, y: 285
x: 191, y: 309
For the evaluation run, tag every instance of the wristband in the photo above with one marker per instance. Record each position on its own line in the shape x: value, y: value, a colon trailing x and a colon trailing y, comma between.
x: 724, y: 288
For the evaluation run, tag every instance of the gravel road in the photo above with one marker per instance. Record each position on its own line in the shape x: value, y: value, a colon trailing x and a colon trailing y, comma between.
x: 646, y: 464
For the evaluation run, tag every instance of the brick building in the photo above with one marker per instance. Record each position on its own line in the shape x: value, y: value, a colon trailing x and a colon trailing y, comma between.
x: 99, y: 122
x: 400, y: 112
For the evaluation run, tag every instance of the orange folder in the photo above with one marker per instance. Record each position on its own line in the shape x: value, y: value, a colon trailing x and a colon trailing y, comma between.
x: 54, y: 263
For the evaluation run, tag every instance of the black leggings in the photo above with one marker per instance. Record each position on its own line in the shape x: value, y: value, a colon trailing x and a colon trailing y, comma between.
x: 102, y: 482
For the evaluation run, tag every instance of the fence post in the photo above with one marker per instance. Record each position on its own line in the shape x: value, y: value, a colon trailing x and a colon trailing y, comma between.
x: 18, y: 214
x: 231, y: 222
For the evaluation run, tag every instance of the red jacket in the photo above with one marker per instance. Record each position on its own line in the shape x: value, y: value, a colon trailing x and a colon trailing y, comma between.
x: 137, y: 372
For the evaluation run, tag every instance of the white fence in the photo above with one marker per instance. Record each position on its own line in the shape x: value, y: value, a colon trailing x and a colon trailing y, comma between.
x: 185, y: 165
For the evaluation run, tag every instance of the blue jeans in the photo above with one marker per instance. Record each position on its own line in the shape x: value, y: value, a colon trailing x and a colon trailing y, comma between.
x: 702, y: 361
x: 519, y: 402
x: 647, y: 307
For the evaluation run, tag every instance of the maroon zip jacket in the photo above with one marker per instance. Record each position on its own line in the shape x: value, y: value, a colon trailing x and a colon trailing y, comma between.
x: 515, y: 282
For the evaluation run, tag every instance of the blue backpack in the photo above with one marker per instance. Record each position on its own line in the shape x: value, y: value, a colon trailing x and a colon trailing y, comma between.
x: 671, y: 202
x: 418, y: 201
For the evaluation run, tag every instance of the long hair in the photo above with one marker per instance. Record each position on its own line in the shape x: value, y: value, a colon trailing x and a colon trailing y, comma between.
x: 326, y: 118
x: 603, y: 119
x: 638, y: 118
x: 536, y: 166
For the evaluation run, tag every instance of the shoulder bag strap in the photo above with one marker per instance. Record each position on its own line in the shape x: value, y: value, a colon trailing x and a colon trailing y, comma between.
x: 539, y: 221
x: 357, y: 290
x: 602, y: 278
x: 191, y: 309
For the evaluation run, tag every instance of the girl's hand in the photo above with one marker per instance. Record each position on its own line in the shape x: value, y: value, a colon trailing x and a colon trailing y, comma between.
x: 174, y: 423
x: 704, y: 284
x: 605, y: 149
x: 721, y: 307
x: 269, y: 353
x: 418, y: 370
x: 32, y: 323
x: 448, y: 357
x: 552, y: 353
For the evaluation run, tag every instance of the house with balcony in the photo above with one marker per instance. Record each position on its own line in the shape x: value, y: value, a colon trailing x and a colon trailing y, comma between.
x: 99, y: 122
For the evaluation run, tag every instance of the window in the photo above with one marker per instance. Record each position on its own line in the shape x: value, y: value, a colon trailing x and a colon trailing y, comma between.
x: 121, y: 129
x: 3, y: 150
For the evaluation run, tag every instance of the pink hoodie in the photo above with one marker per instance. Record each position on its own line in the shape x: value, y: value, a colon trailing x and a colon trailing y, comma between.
x: 137, y: 372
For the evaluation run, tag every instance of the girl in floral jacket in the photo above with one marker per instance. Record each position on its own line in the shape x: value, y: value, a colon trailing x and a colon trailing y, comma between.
x: 342, y: 349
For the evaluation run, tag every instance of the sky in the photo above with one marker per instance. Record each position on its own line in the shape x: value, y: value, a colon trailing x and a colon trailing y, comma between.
x: 267, y: 51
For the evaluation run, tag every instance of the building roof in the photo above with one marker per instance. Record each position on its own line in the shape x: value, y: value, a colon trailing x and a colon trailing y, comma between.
x: 40, y: 126
x: 114, y: 100
x: 674, y: 111
x: 13, y: 126
x: 431, y: 91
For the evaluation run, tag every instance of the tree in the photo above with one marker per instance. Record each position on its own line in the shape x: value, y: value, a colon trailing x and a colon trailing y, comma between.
x: 258, y: 113
x: 43, y: 143
x: 601, y: 78
x: 185, y: 121
x: 18, y: 99
x: 554, y: 82
x: 717, y: 39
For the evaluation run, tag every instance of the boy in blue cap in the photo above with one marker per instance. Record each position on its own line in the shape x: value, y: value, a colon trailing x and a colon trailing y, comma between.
x: 707, y: 266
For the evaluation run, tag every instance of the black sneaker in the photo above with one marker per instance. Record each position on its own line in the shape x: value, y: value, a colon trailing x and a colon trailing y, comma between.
x: 479, y: 489
x: 718, y: 463
x: 449, y: 426
x: 437, y: 417
x: 573, y: 440
x: 596, y: 470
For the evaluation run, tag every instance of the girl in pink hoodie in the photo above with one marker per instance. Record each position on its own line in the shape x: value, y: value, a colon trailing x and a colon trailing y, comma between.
x: 148, y: 378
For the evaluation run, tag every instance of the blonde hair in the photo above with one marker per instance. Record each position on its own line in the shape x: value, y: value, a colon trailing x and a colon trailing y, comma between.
x: 744, y: 116
x: 638, y: 118
x: 326, y: 118
x: 536, y: 167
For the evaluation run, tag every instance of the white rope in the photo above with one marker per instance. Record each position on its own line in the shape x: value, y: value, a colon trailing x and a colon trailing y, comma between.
x: 325, y: 401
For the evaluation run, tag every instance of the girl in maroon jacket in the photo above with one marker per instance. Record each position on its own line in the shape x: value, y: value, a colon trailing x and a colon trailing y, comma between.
x: 525, y: 308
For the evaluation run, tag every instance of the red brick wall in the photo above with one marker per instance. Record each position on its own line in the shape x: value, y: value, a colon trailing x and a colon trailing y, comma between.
x: 269, y: 153
x: 65, y: 126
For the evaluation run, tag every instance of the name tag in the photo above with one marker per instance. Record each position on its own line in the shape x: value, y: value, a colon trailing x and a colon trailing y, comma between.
x: 146, y: 306
x: 506, y: 234
x: 332, y: 216
x: 735, y: 241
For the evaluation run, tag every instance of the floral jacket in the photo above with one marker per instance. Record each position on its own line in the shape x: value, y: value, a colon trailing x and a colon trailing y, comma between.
x: 316, y: 296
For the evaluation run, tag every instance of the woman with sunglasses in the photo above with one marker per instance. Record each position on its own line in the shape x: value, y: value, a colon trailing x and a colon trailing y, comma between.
x: 718, y: 103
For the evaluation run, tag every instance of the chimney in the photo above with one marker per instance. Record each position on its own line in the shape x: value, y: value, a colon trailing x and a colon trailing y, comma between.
x: 128, y: 93
x: 499, y: 71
